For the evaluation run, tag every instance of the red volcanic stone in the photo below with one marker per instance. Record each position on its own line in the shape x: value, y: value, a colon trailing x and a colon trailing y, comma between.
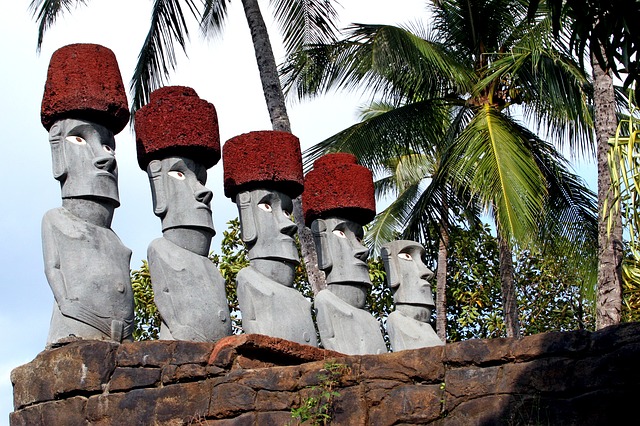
x: 84, y: 82
x: 339, y: 186
x: 177, y: 123
x: 264, y: 159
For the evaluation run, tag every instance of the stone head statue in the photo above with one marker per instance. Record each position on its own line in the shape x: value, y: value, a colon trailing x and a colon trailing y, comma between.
x: 338, y: 200
x: 87, y: 267
x: 262, y: 174
x: 84, y: 105
x: 177, y: 140
x: 408, y: 277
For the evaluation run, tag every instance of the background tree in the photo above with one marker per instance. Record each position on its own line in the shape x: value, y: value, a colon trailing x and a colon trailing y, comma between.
x: 301, y: 22
x: 455, y: 94
x: 548, y: 289
x: 607, y: 33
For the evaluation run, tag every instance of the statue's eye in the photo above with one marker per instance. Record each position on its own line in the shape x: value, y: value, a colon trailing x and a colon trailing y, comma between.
x: 76, y: 139
x: 266, y: 207
x: 339, y: 233
x: 286, y: 213
x: 405, y: 256
x: 108, y: 149
x: 176, y: 175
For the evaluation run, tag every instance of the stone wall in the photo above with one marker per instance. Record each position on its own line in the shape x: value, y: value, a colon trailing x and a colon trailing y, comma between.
x: 573, y: 378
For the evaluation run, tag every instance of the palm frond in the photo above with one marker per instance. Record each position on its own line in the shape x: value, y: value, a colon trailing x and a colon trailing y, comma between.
x: 213, y: 17
x: 46, y: 12
x: 157, y: 56
x: 416, y: 127
x: 568, y: 225
x: 305, y: 22
x: 381, y: 58
x: 492, y: 159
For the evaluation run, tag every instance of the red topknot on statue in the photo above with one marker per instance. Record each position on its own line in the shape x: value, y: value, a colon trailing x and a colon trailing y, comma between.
x: 264, y: 159
x: 84, y: 81
x: 339, y: 186
x: 176, y: 122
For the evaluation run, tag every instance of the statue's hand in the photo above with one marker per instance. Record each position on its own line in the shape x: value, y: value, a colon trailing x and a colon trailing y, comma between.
x: 70, y: 307
x: 183, y: 332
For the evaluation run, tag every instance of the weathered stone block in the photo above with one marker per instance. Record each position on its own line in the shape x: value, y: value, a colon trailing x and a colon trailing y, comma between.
x: 274, y: 400
x: 80, y: 366
x: 126, y: 378
x: 228, y: 399
x: 69, y: 412
x: 415, y: 404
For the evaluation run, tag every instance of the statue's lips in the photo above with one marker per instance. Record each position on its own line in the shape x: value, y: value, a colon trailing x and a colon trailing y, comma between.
x: 108, y: 174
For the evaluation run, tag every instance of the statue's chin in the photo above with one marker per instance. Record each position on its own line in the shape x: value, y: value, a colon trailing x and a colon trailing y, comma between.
x: 279, y: 270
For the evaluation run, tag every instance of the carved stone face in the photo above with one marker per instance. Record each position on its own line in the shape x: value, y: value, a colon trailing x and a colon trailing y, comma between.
x: 180, y: 198
x: 407, y: 274
x: 267, y: 228
x: 341, y: 254
x: 84, y: 162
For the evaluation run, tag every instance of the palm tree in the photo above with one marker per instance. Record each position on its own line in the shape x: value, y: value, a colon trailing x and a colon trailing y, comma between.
x: 612, y: 38
x: 457, y: 90
x: 302, y: 22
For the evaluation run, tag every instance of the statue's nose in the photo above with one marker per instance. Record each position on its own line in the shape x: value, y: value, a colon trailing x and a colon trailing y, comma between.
x: 362, y: 253
x: 204, y: 195
x: 105, y: 162
x: 288, y: 227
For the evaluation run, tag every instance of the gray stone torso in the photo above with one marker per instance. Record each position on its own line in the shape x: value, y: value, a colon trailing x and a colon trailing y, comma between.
x: 93, y: 265
x: 408, y: 333
x: 273, y: 309
x: 346, y: 329
x: 189, y: 292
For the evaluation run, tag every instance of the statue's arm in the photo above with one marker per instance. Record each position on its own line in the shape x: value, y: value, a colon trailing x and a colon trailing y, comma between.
x: 246, y: 290
x: 162, y: 276
x: 52, y: 270
x: 324, y: 317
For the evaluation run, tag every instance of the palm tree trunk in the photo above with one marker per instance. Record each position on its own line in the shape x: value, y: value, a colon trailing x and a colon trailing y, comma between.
x: 509, y: 299
x: 609, y: 292
x: 280, y: 121
x: 441, y: 276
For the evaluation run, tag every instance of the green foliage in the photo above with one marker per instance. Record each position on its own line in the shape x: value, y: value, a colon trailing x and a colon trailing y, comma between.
x: 473, y: 285
x: 549, y: 292
x: 146, y: 315
x: 230, y: 262
x: 316, y: 408
x: 548, y: 289
x: 380, y: 299
x: 624, y: 163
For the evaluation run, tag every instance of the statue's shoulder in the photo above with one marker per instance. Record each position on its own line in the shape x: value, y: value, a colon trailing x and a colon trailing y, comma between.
x: 162, y: 253
x: 328, y: 302
x: 60, y: 220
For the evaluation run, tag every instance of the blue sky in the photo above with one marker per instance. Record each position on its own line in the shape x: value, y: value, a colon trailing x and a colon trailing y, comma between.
x: 222, y: 71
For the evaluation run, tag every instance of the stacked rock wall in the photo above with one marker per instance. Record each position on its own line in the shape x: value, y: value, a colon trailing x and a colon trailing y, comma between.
x: 573, y: 378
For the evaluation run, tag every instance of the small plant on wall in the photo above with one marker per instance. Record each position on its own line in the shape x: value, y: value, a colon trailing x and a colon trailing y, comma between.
x: 317, y: 408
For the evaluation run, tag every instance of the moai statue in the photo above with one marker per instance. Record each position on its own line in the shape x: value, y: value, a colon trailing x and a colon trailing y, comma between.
x: 177, y: 140
x: 86, y: 264
x: 408, y: 277
x: 262, y: 174
x: 338, y: 199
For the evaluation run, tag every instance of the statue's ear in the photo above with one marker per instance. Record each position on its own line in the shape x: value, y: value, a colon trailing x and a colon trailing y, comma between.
x: 319, y: 231
x: 158, y: 192
x: 247, y: 221
x: 58, y: 160
x: 391, y: 267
